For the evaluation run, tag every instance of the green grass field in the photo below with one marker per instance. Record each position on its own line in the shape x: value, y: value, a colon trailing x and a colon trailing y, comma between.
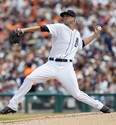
x: 19, y: 116
x: 24, y: 116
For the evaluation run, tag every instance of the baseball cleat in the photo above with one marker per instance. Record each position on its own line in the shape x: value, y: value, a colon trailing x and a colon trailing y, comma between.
x: 105, y: 109
x: 7, y: 110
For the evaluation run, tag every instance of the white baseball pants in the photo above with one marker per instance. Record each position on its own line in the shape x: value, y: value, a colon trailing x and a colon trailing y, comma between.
x: 64, y: 73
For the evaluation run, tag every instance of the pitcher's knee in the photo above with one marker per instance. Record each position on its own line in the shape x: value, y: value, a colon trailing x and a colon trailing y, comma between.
x: 77, y: 95
x: 29, y: 78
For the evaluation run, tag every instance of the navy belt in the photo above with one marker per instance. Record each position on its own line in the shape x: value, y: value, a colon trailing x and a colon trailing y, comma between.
x: 60, y: 60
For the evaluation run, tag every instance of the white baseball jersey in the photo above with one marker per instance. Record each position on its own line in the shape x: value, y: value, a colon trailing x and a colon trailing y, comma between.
x: 66, y: 42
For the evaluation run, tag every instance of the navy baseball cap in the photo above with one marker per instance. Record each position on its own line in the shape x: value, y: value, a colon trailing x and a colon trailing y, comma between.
x: 69, y: 12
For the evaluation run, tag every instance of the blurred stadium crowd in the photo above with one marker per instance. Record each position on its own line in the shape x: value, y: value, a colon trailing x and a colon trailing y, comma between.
x: 95, y: 65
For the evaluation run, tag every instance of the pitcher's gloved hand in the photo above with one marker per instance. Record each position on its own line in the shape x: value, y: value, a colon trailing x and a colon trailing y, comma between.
x: 15, y: 36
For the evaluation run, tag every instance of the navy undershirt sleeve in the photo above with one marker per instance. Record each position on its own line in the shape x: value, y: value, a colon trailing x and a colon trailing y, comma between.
x: 83, y: 43
x: 44, y: 28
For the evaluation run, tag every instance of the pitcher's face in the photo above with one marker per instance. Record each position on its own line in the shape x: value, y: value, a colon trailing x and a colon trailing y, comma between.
x: 68, y: 19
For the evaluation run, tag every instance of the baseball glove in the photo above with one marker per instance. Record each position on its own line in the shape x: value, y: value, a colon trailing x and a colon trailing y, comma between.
x: 15, y: 36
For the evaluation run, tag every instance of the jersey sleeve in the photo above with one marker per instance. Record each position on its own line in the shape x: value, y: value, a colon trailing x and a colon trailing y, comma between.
x: 81, y: 42
x: 53, y: 29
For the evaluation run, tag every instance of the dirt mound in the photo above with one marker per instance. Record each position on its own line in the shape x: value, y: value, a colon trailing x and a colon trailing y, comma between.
x: 68, y: 119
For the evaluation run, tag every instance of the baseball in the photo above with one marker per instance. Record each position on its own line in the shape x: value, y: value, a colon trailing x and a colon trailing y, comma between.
x: 99, y: 28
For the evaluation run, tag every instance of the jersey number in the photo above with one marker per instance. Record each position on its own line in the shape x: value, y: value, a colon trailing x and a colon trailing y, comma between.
x: 76, y: 42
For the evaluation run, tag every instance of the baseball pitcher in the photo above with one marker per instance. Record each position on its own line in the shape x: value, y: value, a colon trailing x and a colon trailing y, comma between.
x: 66, y: 41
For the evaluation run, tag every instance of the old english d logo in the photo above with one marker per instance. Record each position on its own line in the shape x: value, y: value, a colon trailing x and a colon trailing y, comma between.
x: 76, y: 42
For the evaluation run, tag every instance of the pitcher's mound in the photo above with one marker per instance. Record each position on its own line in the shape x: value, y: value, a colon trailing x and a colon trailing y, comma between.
x: 68, y: 119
